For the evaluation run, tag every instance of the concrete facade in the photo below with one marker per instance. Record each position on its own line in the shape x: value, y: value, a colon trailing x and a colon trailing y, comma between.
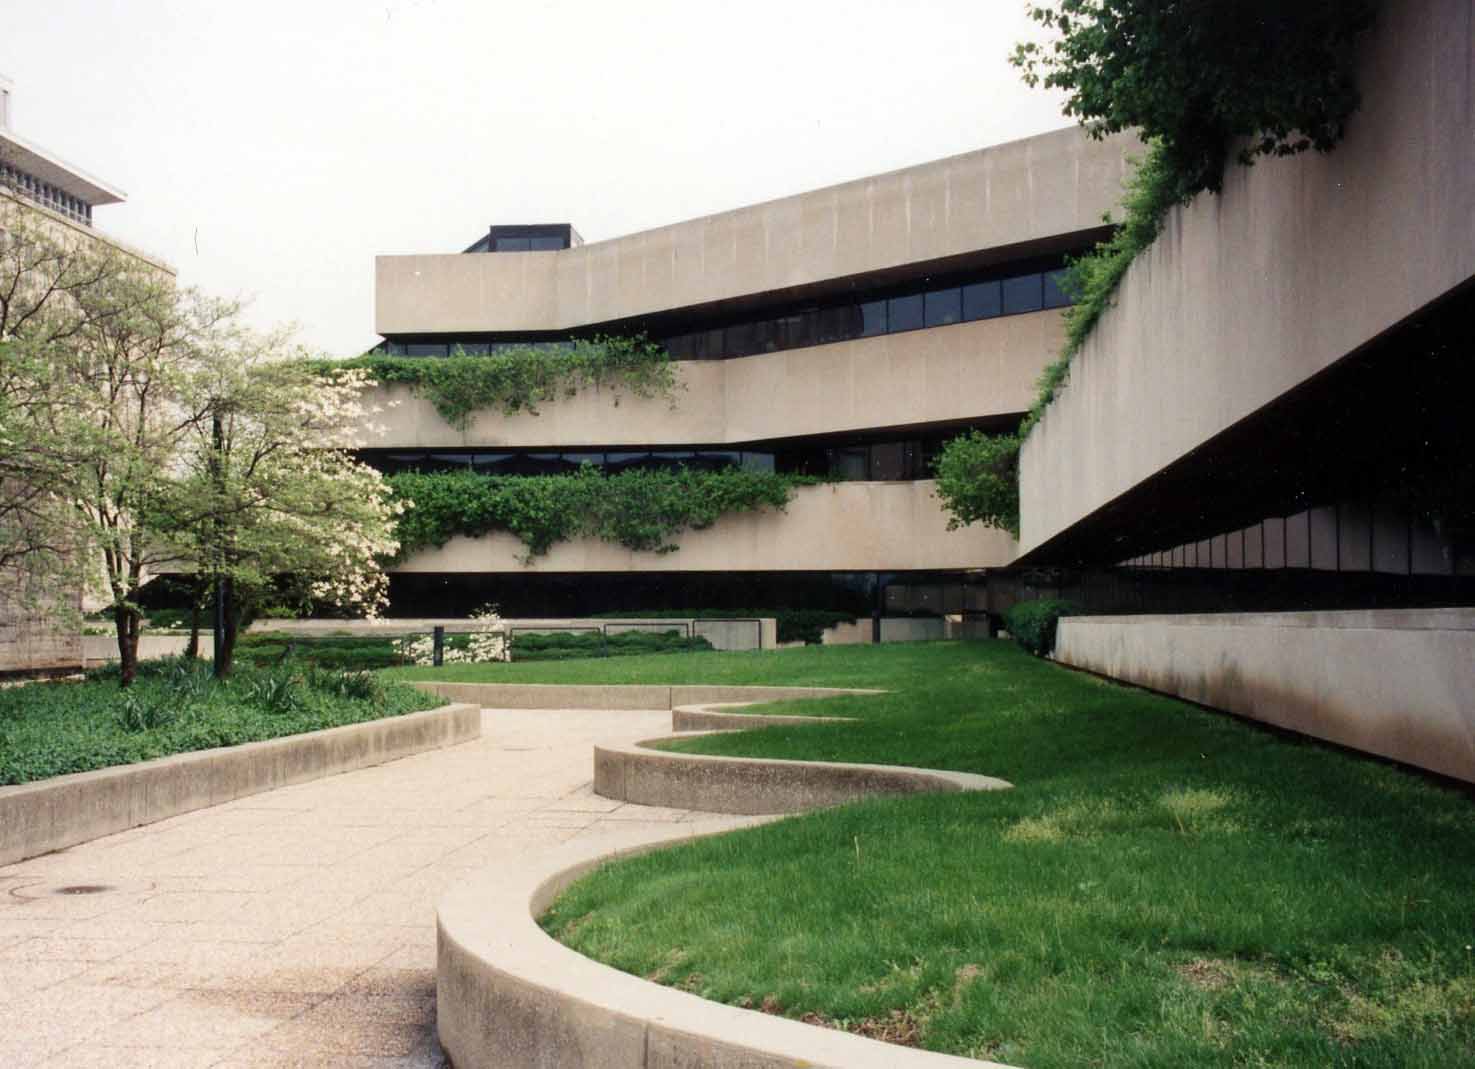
x: 993, y: 214
x: 1296, y: 265
x: 1004, y: 198
x: 1394, y: 683
x: 861, y: 526
x: 943, y: 375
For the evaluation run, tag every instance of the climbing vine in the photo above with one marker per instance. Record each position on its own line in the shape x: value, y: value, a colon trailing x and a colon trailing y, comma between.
x: 522, y: 378
x: 640, y: 510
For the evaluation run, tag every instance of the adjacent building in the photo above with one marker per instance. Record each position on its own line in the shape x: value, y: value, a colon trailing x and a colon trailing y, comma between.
x: 48, y: 192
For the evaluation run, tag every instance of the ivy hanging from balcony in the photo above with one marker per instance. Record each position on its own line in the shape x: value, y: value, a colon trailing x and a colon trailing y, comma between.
x: 640, y: 510
x: 522, y: 378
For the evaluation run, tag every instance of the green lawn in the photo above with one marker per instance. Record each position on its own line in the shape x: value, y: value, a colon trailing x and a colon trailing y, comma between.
x: 1163, y: 887
x: 827, y: 666
x: 48, y: 729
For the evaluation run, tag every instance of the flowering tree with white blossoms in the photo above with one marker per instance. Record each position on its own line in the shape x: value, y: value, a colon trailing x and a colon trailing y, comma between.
x: 271, y: 491
x: 491, y: 641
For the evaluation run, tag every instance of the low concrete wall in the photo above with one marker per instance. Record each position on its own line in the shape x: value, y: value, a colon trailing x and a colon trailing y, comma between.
x: 617, y: 695
x: 912, y: 628
x: 37, y: 818
x: 509, y: 997
x: 712, y: 717
x: 1396, y: 683
x: 845, y: 526
x: 98, y: 649
x: 755, y: 786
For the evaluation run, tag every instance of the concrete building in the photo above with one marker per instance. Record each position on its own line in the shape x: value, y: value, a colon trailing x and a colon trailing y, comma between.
x: 844, y: 332
x: 1273, y: 423
x: 1261, y: 467
x: 56, y: 198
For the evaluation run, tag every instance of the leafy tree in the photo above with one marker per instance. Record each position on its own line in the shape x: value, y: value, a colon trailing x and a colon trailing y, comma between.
x: 978, y: 480
x: 1196, y: 76
x: 269, y: 493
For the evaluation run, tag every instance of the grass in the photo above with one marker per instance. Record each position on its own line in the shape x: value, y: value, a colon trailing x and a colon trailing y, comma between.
x: 49, y: 729
x: 1165, y: 886
x: 839, y: 666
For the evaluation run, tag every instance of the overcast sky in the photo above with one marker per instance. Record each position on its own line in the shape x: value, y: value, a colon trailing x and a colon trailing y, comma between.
x: 271, y: 149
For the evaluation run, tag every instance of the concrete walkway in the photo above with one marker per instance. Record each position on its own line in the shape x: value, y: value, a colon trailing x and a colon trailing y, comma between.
x: 295, y: 928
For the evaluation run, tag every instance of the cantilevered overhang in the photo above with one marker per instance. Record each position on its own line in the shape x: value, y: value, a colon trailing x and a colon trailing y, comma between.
x: 1026, y: 198
x: 36, y: 161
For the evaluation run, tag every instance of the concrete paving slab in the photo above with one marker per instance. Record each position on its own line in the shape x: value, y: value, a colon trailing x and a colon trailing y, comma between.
x: 294, y: 927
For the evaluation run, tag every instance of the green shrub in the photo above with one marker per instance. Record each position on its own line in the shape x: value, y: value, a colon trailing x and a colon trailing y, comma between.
x: 978, y: 480
x: 1033, y: 623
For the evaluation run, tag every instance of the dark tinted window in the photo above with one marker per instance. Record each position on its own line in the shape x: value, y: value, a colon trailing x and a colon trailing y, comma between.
x: 513, y: 244
x: 416, y: 349
x: 1055, y: 297
x: 891, y: 460
x: 850, y: 462
x: 471, y: 348
x: 943, y: 307
x: 622, y: 461
x: 544, y: 244
x: 982, y: 300
x: 904, y: 313
x: 741, y: 339
x: 1022, y: 294
x: 873, y: 318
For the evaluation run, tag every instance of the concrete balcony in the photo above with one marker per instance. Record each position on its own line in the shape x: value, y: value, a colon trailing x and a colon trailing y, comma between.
x: 967, y: 371
x: 857, y: 526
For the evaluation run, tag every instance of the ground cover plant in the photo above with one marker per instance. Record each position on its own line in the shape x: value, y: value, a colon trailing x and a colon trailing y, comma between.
x: 1164, y: 886
x: 48, y: 729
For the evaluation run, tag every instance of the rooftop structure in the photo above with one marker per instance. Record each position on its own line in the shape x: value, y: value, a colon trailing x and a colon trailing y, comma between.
x: 38, y: 175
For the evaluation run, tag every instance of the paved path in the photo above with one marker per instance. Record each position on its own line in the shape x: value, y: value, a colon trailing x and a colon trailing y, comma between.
x: 295, y: 927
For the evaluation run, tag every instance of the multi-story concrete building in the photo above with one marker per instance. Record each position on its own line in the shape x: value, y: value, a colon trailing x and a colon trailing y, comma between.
x: 845, y: 332
x: 1272, y: 422
x: 57, y: 199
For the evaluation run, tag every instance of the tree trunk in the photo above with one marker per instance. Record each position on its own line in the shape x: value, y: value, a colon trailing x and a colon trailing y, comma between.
x: 232, y: 628
x: 192, y: 651
x: 127, y: 623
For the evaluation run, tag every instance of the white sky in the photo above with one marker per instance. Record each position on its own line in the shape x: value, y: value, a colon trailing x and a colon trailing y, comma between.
x: 271, y: 149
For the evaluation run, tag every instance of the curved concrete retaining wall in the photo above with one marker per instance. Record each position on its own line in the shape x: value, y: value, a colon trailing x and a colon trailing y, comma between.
x: 708, y: 717
x: 510, y: 997
x: 37, y: 818
x: 617, y: 696
x: 755, y: 785
x: 1398, y: 683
